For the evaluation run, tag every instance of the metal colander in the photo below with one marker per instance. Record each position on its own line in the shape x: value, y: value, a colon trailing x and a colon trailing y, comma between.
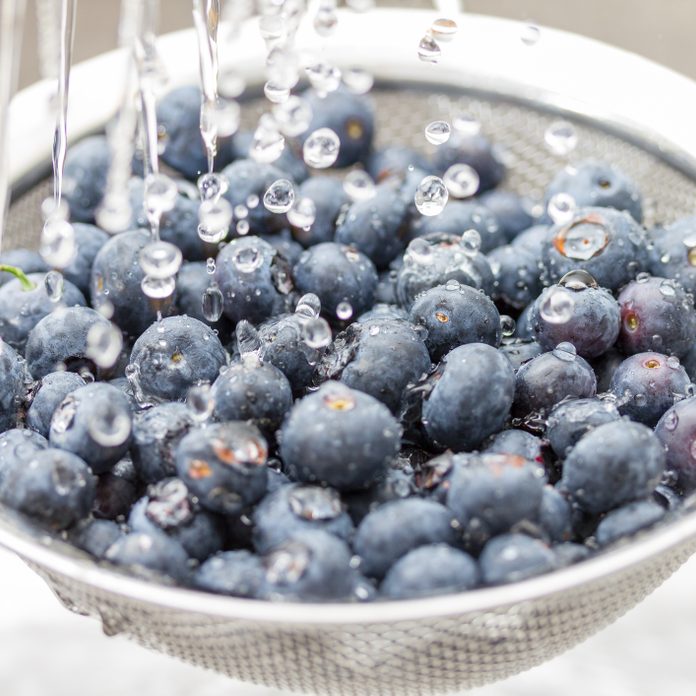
x: 444, y: 643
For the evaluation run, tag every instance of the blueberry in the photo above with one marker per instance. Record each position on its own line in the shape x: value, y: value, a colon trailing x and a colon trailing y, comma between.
x: 54, y: 487
x: 377, y: 227
x: 647, y: 384
x: 454, y: 315
x: 519, y: 351
x: 192, y: 281
x: 17, y: 445
x: 224, y: 466
x: 174, y: 354
x: 117, y: 490
x: 516, y: 272
x: 168, y: 508
x: 392, y: 160
x: 459, y: 216
x: 86, y: 168
x: 96, y: 536
x: 492, y: 493
x: 250, y: 179
x: 254, y: 278
x: 555, y: 515
x: 88, y: 240
x: 514, y: 213
x: 430, y: 570
x: 569, y: 553
x: 284, y: 243
x: 340, y: 437
x: 605, y: 366
x: 385, y: 292
x: 337, y: 273
x: 400, y: 526
x: 608, y: 244
x: 514, y: 557
x: 21, y: 310
x: 436, y: 259
x: 116, y: 279
x: 295, y: 508
x: 516, y: 442
x: 179, y: 132
x: 28, y: 260
x: 157, y: 433
x: 93, y: 422
x: 236, y: 573
x: 599, y: 185
x: 259, y: 393
x: 151, y: 556
x: 311, y: 566
x: 283, y: 345
x: 471, y: 397
x: 628, y: 520
x: 52, y: 389
x: 571, y: 419
x: 613, y: 464
x: 178, y: 226
x: 477, y: 152
x: 328, y: 197
x: 575, y: 312
x: 656, y: 315
x: 350, y: 116
x: 397, y: 484
x: 533, y: 240
x: 380, y: 357
x: 383, y: 311
x: 290, y: 161
x: 673, y: 255
x: 676, y: 431
x: 13, y: 376
x: 549, y: 378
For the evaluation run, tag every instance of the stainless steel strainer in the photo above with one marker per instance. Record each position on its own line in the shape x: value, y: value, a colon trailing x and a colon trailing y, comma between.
x: 443, y: 643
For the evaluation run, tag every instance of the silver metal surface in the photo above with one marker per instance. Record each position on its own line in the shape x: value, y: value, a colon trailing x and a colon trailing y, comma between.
x: 401, y: 648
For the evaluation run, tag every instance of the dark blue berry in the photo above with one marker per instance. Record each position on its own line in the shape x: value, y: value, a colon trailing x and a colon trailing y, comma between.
x: 28, y: 260
x: 555, y: 515
x: 86, y: 168
x: 514, y: 213
x: 52, y: 389
x: 676, y: 431
x: 236, y: 573
x: 328, y: 197
x: 519, y: 351
x: 516, y: 272
x: 393, y: 160
x: 476, y: 151
x: 96, y: 536
x: 628, y: 520
x: 17, y: 445
x: 150, y: 556
x: 88, y: 240
x: 516, y: 442
x: 515, y: 557
x: 673, y: 252
x: 117, y: 490
x: 397, y: 484
x: 13, y: 378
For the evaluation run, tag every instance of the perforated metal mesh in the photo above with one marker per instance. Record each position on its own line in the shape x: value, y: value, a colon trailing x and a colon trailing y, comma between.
x: 429, y: 655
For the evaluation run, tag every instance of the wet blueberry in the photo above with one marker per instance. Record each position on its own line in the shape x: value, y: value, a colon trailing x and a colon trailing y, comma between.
x: 673, y: 252
x: 96, y: 536
x: 88, y: 240
x: 236, y: 573
x: 513, y: 212
x: 476, y: 151
x: 86, y: 167
x: 13, y: 376
x: 393, y: 160
x: 627, y: 520
x: 397, y: 484
x: 117, y: 490
x: 516, y: 272
x: 52, y: 389
x: 329, y: 197
x: 516, y: 442
x: 17, y: 445
x: 519, y: 351
x: 676, y: 431
x: 515, y: 557
x: 193, y: 280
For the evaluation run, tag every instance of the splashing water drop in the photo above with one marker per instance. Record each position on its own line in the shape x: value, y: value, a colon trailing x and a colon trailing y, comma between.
x: 212, y: 186
x: 557, y: 307
x: 158, y: 288
x: 200, y: 403
x: 358, y: 81
x: 108, y: 425
x: 561, y: 208
x: 160, y: 260
x: 279, y: 196
x: 308, y: 306
x: 471, y: 242
x: 507, y: 325
x: 561, y: 138
x: 303, y: 213
x: 275, y: 93
x: 565, y: 351
x: 215, y: 218
x: 104, y: 344
x: 241, y: 212
x: 210, y: 266
x: 462, y: 181
x: 231, y: 84
x: 160, y: 194
x: 267, y: 144
x: 437, y: 132
x: 324, y: 77
x: 344, y: 310
x: 320, y: 150
x: 212, y: 303
x: 293, y: 116
x: 316, y: 333
x: 444, y: 29
x: 53, y: 284
x: 420, y: 251
x: 359, y: 186
x: 248, y: 259
x: 431, y: 196
x: 58, y: 246
x: 530, y: 35
x: 114, y: 213
x: 429, y: 50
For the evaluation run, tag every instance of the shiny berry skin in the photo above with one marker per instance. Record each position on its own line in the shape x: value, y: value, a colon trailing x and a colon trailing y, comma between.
x: 515, y: 557
x: 676, y: 431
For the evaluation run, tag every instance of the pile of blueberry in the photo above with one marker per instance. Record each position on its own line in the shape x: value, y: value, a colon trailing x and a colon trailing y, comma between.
x: 373, y: 404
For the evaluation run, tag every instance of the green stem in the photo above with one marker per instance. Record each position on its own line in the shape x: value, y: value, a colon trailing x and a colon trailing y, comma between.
x: 20, y: 275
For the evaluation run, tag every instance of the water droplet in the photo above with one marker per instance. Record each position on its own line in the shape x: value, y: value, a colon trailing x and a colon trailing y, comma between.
x: 324, y: 77
x: 557, y: 306
x: 308, y: 306
x: 444, y: 29
x: 437, y: 132
x: 466, y: 125
x: 231, y: 84
x: 114, y: 213
x: 359, y: 186
x: 673, y: 362
x: 507, y: 325
x: 212, y: 303
x: 358, y: 81
x: 210, y: 266
x: 49, y: 209
x: 242, y: 227
x: 431, y: 196
x: 247, y: 337
x: 104, y: 344
x: 222, y: 115
x: 320, y: 150
x: 471, y: 242
x: 158, y: 288
x: 293, y: 116
x: 561, y: 208
x: 200, y: 402
x: 420, y: 251
x: 58, y: 246
x: 643, y: 277
x: 108, y: 424
x: 316, y: 333
x: 325, y: 20
x: 462, y: 181
x: 248, y: 259
x: 667, y: 288
x: 252, y: 201
x: 215, y: 218
x: 53, y: 284
x: 690, y: 240
x: 429, y: 50
x: 160, y: 260
x: 565, y: 351
x: 453, y: 285
x: 671, y: 420
x: 315, y: 503
x: 530, y: 35
x: 212, y: 185
x: 267, y: 143
x: 241, y: 211
x: 561, y: 138
x: 641, y: 399
x: 160, y: 194
x: 275, y: 93
x: 577, y: 280
x: 303, y: 213
x: 279, y: 196
x: 344, y: 310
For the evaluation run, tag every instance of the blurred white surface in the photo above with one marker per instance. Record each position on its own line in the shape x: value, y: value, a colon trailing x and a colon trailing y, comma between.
x: 47, y: 651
